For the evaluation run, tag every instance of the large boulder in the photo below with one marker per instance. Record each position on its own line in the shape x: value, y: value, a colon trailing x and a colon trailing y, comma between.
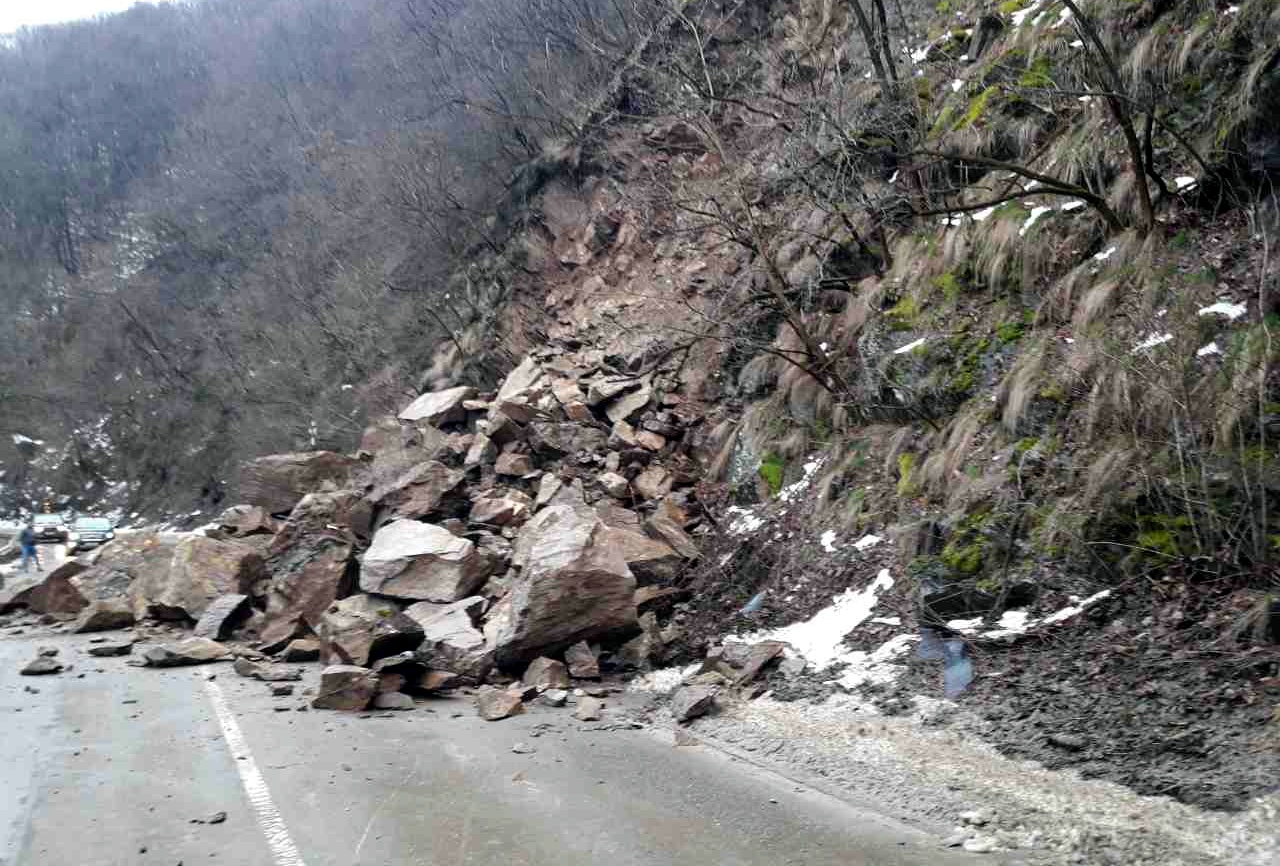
x: 306, y: 579
x: 104, y: 615
x: 573, y: 585
x: 551, y: 439
x: 201, y: 570
x: 341, y: 512
x: 277, y: 482
x: 55, y: 592
x: 518, y: 395
x: 222, y: 615
x: 395, y: 446
x: 667, y: 522
x: 502, y: 508
x: 418, y: 492
x: 244, y: 520
x: 439, y: 407
x: 650, y: 560
x: 450, y: 639
x: 422, y: 562
x: 346, y: 687
x: 362, y: 629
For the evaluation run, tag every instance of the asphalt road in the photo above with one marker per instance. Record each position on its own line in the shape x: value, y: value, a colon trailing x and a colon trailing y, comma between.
x: 108, y: 765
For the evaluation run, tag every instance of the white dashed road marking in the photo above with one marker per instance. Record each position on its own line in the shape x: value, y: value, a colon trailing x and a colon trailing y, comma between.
x: 283, y: 851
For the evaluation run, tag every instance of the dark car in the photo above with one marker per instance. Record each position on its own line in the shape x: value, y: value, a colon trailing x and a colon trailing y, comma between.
x: 89, y: 532
x: 49, y: 527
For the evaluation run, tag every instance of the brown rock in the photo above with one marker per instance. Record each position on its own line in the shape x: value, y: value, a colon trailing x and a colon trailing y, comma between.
x: 41, y: 666
x: 615, y: 485
x: 393, y: 701
x: 422, y: 562
x: 630, y: 403
x: 602, y: 390
x: 548, y: 486
x: 439, y: 407
x: 105, y: 615
x: 650, y: 560
x: 545, y: 673
x: 192, y: 651
x: 652, y: 483
x: 689, y: 702
x: 514, y: 465
x: 301, y: 650
x: 306, y: 579
x: 201, y: 570
x: 578, y: 412
x: 346, y: 687
x: 667, y: 522
x: 550, y: 439
x: 650, y: 441
x: 419, y: 491
x: 107, y: 650
x: 496, y: 704
x: 482, y: 452
x: 503, y: 509
x: 572, y: 586
x: 582, y: 661
x: 55, y: 593
x: 362, y: 629
x: 277, y: 483
x: 451, y: 642
x: 243, y: 520
x: 589, y: 710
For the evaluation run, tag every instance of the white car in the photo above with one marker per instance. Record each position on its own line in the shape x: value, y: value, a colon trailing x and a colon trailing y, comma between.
x: 88, y: 532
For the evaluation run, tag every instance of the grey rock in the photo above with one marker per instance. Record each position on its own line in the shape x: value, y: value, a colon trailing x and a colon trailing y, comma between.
x: 41, y: 666
x: 221, y: 616
x: 589, y: 710
x: 439, y: 407
x: 192, y: 651
x: 393, y: 701
x: 346, y: 687
x: 690, y: 702
x: 545, y: 673
x: 496, y: 704
x: 582, y: 661
x: 422, y: 562
x: 104, y: 615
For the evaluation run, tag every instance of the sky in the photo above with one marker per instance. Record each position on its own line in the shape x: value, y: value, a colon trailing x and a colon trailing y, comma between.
x: 21, y: 13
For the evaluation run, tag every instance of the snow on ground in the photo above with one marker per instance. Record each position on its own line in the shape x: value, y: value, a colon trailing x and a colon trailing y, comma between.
x: 909, y: 347
x: 1151, y: 342
x: 1225, y: 308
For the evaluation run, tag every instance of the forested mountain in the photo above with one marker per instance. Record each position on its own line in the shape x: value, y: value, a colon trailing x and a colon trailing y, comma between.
x: 227, y: 225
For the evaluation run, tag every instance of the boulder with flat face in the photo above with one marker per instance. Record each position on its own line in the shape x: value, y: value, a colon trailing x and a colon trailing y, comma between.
x: 689, y: 702
x: 545, y: 673
x: 650, y: 560
x: 419, y: 492
x: 551, y: 439
x: 496, y: 704
x: 342, y: 512
x: 104, y: 615
x: 244, y: 520
x: 305, y: 581
x: 201, y: 570
x: 502, y: 508
x: 192, y: 651
x: 56, y: 592
x: 572, y: 586
x: 362, y: 629
x: 667, y: 522
x: 439, y: 407
x: 582, y: 661
x: 450, y: 639
x: 278, y: 482
x: 222, y: 616
x: 422, y: 562
x: 346, y: 687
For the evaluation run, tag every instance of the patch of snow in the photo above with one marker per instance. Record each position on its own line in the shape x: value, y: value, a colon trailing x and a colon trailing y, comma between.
x: 1225, y: 308
x: 820, y: 639
x: 983, y: 215
x: 916, y: 344
x: 1033, y: 218
x: 866, y: 542
x: 1079, y: 43
x: 965, y: 626
x: 886, y: 620
x: 743, y: 521
x: 828, y: 541
x: 920, y: 55
x: 1151, y: 342
x: 19, y: 439
x: 1211, y: 349
x: 1185, y: 183
x: 957, y: 85
x: 1073, y: 205
x: 791, y: 491
x: 662, y: 681
x: 1021, y: 15
x: 1106, y: 254
x: 1068, y: 612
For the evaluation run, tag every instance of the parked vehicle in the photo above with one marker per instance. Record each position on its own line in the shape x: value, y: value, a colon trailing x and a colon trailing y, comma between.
x: 49, y: 527
x: 89, y: 532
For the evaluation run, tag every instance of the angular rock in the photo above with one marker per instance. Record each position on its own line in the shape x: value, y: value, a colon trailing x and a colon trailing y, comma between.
x: 667, y: 522
x: 628, y: 404
x: 222, y: 616
x: 301, y: 650
x: 602, y: 390
x: 653, y: 483
x: 507, y: 508
x: 346, y: 687
x: 545, y: 673
x: 422, y: 562
x: 589, y: 710
x: 614, y: 484
x: 758, y: 657
x: 551, y: 439
x: 651, y: 441
x: 482, y: 452
x: 362, y: 629
x: 582, y: 662
x: 623, y: 435
x: 690, y: 702
x: 555, y: 697
x: 496, y: 704
x: 548, y: 486
x: 615, y: 516
x: 244, y: 520
x: 514, y: 465
x: 645, y: 648
x: 192, y: 651
x: 201, y: 570
x: 419, y: 491
x: 450, y: 640
x: 522, y: 384
x: 393, y: 701
x: 54, y: 593
x: 278, y: 482
x: 439, y: 407
x: 107, y: 650
x: 650, y: 560
x: 106, y: 615
x: 572, y: 586
x: 306, y: 579
x: 436, y: 681
x: 41, y: 666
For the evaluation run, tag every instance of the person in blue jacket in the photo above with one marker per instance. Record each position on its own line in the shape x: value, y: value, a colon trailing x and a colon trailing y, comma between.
x: 27, y: 541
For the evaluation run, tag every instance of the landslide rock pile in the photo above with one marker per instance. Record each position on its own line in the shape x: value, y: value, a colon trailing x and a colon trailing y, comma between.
x: 472, y: 535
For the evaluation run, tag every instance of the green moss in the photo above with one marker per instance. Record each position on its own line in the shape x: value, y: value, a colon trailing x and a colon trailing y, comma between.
x: 771, y: 470
x: 903, y: 315
x: 977, y: 107
x: 1037, y: 75
x: 907, y: 486
x: 1025, y: 445
x: 1010, y: 332
x: 1008, y: 7
x: 963, y: 558
x: 1053, y: 392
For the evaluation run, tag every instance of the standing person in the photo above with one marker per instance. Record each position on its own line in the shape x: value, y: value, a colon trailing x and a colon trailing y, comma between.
x: 27, y: 541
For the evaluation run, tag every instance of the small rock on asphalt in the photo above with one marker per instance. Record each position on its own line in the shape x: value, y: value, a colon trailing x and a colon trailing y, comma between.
x: 41, y: 666
x: 523, y: 749
x: 393, y: 701
x: 494, y: 704
x: 589, y: 710
x: 111, y: 649
x: 980, y: 845
x: 280, y: 691
x: 555, y: 697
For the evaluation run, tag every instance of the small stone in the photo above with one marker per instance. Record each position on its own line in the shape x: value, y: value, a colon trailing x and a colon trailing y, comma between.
x: 690, y: 702
x: 111, y: 649
x: 555, y: 697
x: 523, y: 749
x: 280, y: 691
x: 589, y: 710
x: 41, y: 666
x: 1071, y: 742
x: 217, y: 817
x: 47, y: 651
x: 956, y: 839
x: 393, y: 701
x: 495, y: 704
x: 976, y: 817
x: 301, y: 650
